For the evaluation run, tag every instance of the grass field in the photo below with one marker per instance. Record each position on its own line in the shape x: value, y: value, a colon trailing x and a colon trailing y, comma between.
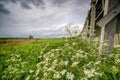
x: 56, y: 59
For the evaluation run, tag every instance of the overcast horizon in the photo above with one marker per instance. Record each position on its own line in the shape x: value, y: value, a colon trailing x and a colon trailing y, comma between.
x: 41, y: 18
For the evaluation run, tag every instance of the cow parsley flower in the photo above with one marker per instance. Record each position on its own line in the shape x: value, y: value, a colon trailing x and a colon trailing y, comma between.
x: 98, y: 62
x: 28, y: 78
x: 45, y: 74
x: 66, y: 44
x: 57, y: 75
x: 37, y: 78
x: 89, y: 73
x: 31, y: 71
x: 75, y: 64
x: 84, y: 78
x: 70, y: 76
x: 117, y: 60
x: 37, y: 72
x: 66, y: 63
x: 115, y: 69
x: 51, y: 68
x: 74, y: 43
x: 63, y: 72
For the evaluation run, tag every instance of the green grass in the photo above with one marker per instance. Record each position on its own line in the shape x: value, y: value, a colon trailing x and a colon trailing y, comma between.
x: 57, y: 59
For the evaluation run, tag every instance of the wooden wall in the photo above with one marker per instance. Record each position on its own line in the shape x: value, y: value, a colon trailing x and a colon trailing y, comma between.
x: 117, y: 34
x: 99, y: 14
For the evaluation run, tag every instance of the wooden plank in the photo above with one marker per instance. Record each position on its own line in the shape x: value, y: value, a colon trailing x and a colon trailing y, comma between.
x: 102, y: 37
x: 110, y: 32
x: 92, y: 25
x: 107, y: 18
x: 99, y: 15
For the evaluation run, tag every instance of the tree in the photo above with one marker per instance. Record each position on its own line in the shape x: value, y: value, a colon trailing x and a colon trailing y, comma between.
x: 73, y: 31
x: 30, y: 37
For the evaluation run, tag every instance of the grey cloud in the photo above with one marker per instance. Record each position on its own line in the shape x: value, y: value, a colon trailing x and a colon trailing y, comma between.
x: 36, y: 2
x: 7, y: 1
x: 80, y: 2
x: 59, y: 2
x: 62, y: 2
x: 25, y: 5
x: 3, y: 9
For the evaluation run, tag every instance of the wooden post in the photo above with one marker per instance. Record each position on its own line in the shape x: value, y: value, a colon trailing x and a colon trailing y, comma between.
x: 93, y: 2
x: 103, y: 4
x: 103, y: 29
x: 87, y: 28
x: 108, y: 32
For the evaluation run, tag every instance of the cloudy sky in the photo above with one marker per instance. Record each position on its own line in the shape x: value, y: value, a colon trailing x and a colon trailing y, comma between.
x: 40, y: 18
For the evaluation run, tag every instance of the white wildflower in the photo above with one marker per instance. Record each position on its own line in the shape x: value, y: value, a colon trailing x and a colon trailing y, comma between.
x: 80, y: 51
x: 51, y: 68
x: 31, y: 71
x: 98, y: 62
x: 45, y: 74
x: 70, y: 76
x: 77, y: 54
x: 41, y: 52
x: 104, y: 58
x: 92, y: 70
x: 57, y: 49
x: 13, y: 59
x: 74, y: 43
x: 37, y: 78
x: 20, y: 59
x: 117, y: 60
x: 88, y: 73
x: 47, y: 58
x: 105, y: 43
x: 38, y: 65
x: 66, y: 44
x: 63, y: 72
x: 28, y: 78
x: 111, y: 55
x: 57, y: 75
x: 37, y: 72
x: 61, y: 63
x: 69, y: 53
x: 18, y: 55
x: 72, y: 58
x: 24, y: 63
x: 55, y: 62
x: 99, y: 74
x: 84, y: 78
x: 47, y: 45
x: 44, y: 67
x: 117, y: 46
x: 75, y: 64
x: 66, y: 63
x: 39, y: 56
x: 82, y: 56
x: 52, y: 55
x: 89, y: 63
x: 22, y: 71
x: 115, y: 69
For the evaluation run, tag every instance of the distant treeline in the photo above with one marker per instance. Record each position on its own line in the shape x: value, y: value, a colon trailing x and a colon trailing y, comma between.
x: 8, y: 38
